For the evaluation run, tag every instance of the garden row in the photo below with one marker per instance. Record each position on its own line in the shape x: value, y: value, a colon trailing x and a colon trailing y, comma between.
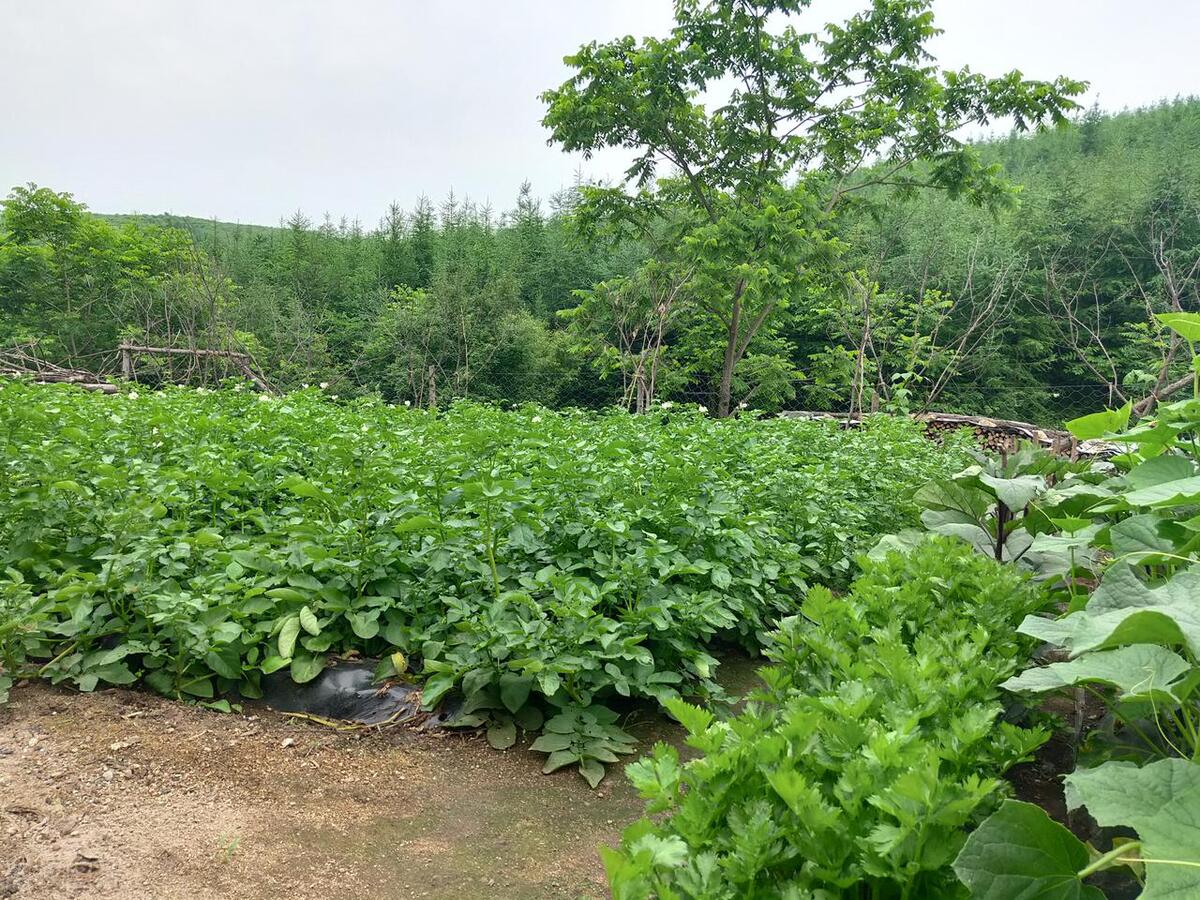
x: 540, y: 564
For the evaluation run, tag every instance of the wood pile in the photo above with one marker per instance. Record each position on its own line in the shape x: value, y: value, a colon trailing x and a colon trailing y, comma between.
x: 995, y: 435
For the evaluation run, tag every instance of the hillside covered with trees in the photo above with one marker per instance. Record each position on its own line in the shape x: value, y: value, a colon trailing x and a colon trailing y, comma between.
x: 1034, y: 302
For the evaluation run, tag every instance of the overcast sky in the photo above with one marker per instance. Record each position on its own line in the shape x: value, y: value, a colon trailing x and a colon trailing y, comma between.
x: 248, y: 110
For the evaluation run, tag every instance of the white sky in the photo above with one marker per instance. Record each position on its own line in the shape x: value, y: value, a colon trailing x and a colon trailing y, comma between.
x: 250, y: 109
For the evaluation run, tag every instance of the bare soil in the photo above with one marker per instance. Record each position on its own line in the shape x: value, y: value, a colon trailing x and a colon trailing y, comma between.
x: 121, y: 794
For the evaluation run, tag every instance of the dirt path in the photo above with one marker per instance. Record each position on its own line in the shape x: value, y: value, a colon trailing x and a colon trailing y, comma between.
x: 121, y: 794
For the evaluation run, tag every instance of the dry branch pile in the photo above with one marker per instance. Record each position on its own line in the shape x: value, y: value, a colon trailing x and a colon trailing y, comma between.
x: 997, y: 435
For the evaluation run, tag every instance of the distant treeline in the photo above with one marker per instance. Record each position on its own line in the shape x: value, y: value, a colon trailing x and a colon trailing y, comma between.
x: 1040, y: 311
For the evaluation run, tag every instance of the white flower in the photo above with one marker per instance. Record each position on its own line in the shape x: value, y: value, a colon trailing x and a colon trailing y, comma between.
x: 667, y: 404
x: 239, y: 387
x: 133, y: 395
x: 742, y: 405
x: 263, y: 398
x: 324, y: 384
x: 365, y: 428
x: 333, y: 396
x: 703, y: 408
x: 304, y: 386
x: 408, y: 403
x: 536, y: 419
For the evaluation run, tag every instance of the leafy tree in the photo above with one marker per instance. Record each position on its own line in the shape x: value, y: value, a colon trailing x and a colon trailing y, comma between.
x: 811, y: 119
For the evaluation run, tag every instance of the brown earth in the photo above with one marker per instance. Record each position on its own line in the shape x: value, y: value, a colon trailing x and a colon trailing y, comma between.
x: 120, y: 794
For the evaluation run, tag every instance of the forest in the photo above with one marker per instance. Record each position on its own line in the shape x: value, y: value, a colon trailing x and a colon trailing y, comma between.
x: 1036, y: 304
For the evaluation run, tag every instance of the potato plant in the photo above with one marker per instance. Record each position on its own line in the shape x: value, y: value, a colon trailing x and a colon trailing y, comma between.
x: 537, y: 563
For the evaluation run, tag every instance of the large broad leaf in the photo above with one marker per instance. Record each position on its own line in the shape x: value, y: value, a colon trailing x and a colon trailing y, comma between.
x: 1143, y: 535
x: 1015, y: 492
x: 963, y: 496
x: 1184, y: 324
x: 1055, y: 554
x: 1099, y: 424
x: 1124, y: 610
x: 1020, y: 853
x: 1137, y: 671
x: 1180, y: 492
x: 903, y: 541
x: 1159, y: 470
x: 1161, y: 802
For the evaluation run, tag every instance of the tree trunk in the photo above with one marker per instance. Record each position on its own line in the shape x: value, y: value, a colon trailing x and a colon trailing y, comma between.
x: 725, y: 391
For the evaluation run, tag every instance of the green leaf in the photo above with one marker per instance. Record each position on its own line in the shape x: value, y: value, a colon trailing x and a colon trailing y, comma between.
x: 1141, y: 535
x: 1181, y: 492
x: 693, y: 718
x: 1159, y: 470
x: 1016, y: 492
x: 273, y: 664
x: 1161, y: 802
x: 113, y: 673
x: 514, y: 690
x: 415, y: 523
x: 302, y: 488
x: 1020, y: 853
x: 558, y: 759
x: 287, y: 593
x: 592, y: 771
x: 529, y: 717
x: 1099, y: 424
x: 436, y: 688
x: 287, y: 636
x: 548, y: 743
x: 199, y: 687
x: 306, y: 667
x: 1124, y: 610
x: 502, y: 735
x: 1136, y: 670
x: 308, y: 621
x: 364, y: 627
x: 549, y: 682
x: 1184, y: 324
x: 227, y: 665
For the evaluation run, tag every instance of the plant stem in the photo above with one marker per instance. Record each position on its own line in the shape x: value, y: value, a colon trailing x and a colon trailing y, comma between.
x: 1112, y: 856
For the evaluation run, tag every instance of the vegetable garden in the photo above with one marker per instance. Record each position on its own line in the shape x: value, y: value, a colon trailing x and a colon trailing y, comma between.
x: 546, y: 573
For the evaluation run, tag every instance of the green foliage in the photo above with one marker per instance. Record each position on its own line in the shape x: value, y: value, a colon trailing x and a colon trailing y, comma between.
x: 334, y: 302
x: 878, y: 739
x: 1135, y: 644
x: 533, y: 561
x: 588, y: 737
x: 1023, y: 507
x: 1094, y: 199
x: 806, y: 109
x: 1020, y: 853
